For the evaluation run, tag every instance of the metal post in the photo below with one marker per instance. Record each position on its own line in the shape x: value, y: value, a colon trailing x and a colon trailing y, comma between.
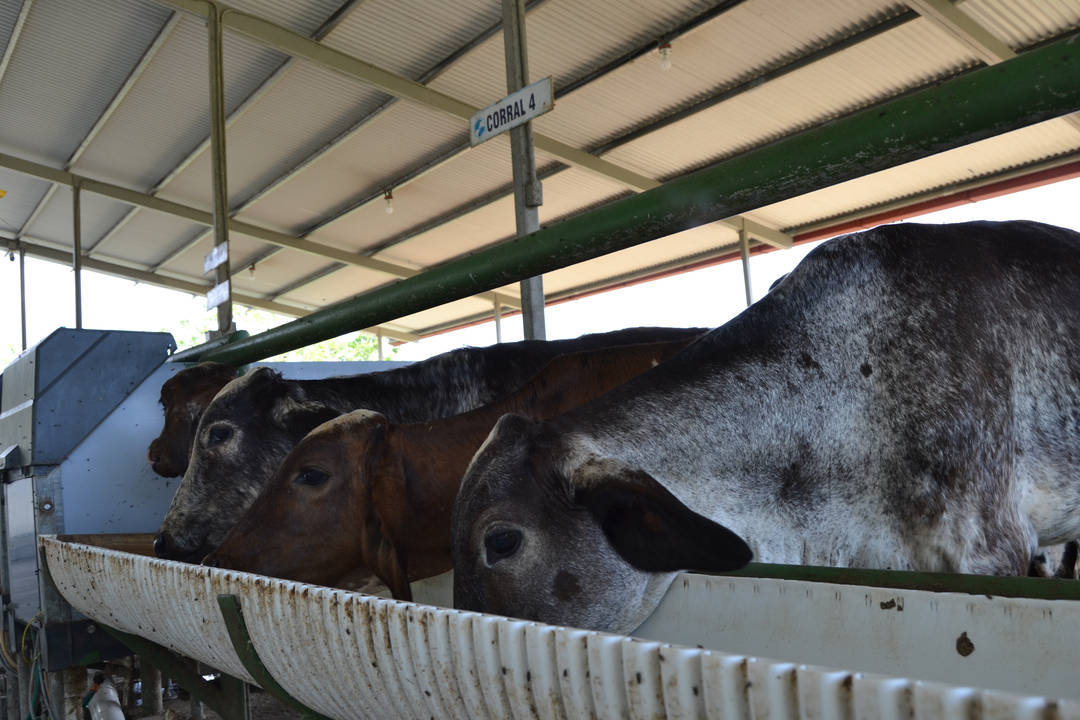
x: 378, y: 339
x: 22, y: 293
x: 218, y: 171
x: 76, y: 254
x: 498, y: 322
x: 744, y: 250
x: 528, y: 192
x: 151, y: 689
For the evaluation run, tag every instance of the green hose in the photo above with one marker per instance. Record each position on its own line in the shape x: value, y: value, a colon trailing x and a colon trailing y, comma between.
x: 35, y: 688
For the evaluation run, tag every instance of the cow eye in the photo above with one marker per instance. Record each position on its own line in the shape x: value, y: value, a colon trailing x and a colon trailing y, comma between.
x: 311, y: 477
x: 219, y: 434
x: 501, y: 544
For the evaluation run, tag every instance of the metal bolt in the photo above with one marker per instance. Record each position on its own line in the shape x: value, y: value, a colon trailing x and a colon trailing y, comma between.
x: 47, y: 506
x: 91, y: 628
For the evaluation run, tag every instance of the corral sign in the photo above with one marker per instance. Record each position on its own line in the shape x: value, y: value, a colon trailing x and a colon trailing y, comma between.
x: 515, y: 109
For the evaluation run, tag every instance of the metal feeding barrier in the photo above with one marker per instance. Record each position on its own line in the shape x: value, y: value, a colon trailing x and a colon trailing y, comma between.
x: 895, y: 652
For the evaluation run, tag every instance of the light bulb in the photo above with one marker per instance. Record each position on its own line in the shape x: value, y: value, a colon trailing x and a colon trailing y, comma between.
x: 665, y: 55
x: 389, y: 198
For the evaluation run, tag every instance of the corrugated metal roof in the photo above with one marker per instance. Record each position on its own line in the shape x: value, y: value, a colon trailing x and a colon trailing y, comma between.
x: 361, y: 165
x: 273, y: 136
x: 55, y: 221
x: 1020, y: 23
x: 742, y: 76
x: 81, y: 52
x: 166, y: 114
x: 982, y: 159
x: 9, y: 14
x: 21, y: 199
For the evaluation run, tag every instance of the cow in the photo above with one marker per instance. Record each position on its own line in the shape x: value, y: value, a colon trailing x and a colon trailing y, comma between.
x: 253, y: 423
x: 362, y: 492
x: 184, y: 397
x: 907, y: 398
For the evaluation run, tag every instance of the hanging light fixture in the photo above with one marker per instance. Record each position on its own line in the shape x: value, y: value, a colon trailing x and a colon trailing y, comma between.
x: 388, y: 196
x: 665, y: 55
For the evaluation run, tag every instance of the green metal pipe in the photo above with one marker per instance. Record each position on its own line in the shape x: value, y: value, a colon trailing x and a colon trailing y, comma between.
x: 1036, y: 86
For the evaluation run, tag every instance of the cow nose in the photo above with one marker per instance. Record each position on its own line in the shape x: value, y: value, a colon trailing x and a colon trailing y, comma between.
x: 163, y: 545
x: 152, y: 453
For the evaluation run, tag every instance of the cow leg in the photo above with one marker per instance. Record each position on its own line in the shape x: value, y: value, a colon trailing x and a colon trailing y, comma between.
x: 1039, y: 566
x: 1067, y: 567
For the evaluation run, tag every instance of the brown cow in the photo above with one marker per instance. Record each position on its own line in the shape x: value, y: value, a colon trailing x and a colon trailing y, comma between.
x: 361, y: 491
x: 184, y: 397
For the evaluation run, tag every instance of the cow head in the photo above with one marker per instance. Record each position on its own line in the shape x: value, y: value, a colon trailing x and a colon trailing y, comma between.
x: 244, y: 434
x: 545, y: 530
x: 330, y: 509
x: 184, y: 397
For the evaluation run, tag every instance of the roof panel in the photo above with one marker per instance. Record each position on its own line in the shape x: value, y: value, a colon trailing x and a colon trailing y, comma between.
x: 343, y: 284
x: 1020, y: 23
x: 81, y: 52
x: 909, y: 56
x: 56, y: 223
x: 303, y: 17
x: 148, y: 237
x: 651, y: 256
x: 165, y: 115
x: 23, y: 194
x: 728, y: 51
x: 9, y: 15
x: 403, y: 137
x: 277, y: 271
x: 410, y: 36
x: 564, y: 193
x: 280, y: 130
x: 444, y: 314
x: 991, y: 156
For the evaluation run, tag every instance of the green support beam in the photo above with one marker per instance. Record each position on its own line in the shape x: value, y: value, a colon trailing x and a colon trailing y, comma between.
x: 227, y: 695
x: 1036, y: 86
x: 245, y: 650
x: 1011, y: 586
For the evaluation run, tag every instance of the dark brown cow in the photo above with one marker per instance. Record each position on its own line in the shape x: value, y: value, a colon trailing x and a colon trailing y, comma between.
x: 360, y: 491
x: 253, y: 423
x: 184, y: 397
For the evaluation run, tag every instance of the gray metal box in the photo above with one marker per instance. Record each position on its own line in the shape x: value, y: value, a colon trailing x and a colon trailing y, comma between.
x: 55, y: 393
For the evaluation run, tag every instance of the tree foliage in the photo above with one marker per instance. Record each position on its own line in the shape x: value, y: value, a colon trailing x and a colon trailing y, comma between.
x: 352, y: 346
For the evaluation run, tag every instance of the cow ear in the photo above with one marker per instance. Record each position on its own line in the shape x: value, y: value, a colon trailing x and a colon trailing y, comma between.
x: 380, y: 555
x: 298, y: 414
x: 649, y: 527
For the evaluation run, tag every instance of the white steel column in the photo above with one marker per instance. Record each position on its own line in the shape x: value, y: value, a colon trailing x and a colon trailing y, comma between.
x: 744, y: 250
x: 528, y: 192
x: 498, y: 321
x: 76, y: 250
x: 22, y: 293
x: 218, y: 170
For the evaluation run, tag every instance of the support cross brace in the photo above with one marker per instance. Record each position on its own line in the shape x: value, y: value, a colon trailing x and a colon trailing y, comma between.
x: 227, y: 696
x: 245, y: 650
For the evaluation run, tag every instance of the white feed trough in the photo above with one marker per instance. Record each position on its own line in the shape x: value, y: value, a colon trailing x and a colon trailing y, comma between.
x: 842, y: 651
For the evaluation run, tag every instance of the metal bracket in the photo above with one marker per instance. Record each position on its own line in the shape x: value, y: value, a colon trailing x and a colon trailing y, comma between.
x: 245, y: 650
x: 227, y: 695
x: 10, y: 458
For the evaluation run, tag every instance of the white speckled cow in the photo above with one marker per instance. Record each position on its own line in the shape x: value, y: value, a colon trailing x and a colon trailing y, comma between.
x: 907, y: 398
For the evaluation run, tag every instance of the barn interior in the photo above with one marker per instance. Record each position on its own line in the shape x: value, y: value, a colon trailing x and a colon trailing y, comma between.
x: 313, y: 158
